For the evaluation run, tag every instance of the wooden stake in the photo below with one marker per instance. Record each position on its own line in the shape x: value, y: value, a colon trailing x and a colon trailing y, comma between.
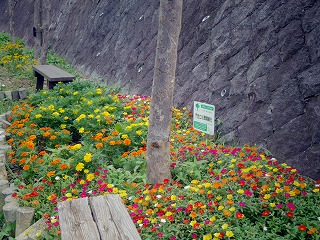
x: 24, y: 216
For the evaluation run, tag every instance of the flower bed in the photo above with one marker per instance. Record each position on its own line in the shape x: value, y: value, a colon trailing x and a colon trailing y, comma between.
x: 81, y: 140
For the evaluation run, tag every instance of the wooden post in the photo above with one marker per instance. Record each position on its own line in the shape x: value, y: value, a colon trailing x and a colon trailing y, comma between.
x: 3, y: 185
x: 9, y: 211
x: 24, y: 216
x: 3, y: 171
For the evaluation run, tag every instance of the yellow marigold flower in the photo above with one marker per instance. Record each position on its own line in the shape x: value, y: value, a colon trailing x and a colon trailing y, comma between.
x: 69, y: 195
x: 63, y: 126
x: 90, y: 176
x: 240, y: 191
x: 75, y: 93
x: 272, y: 205
x: 86, y: 171
x: 267, y: 196
x: 76, y: 146
x: 173, y: 197
x: 38, y: 115
x: 213, y: 218
x: 66, y: 118
x: 79, y: 167
x: 207, y: 236
x: 229, y: 234
x: 225, y: 226
x: 220, y: 207
x: 139, y: 132
x: 81, y: 130
x: 195, y: 182
x: 316, y: 190
x: 87, y: 157
x: 232, y: 209
x: 192, y: 223
x: 82, y: 182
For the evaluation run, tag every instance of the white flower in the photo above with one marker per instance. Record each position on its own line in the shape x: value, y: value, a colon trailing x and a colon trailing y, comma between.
x: 159, y: 196
x: 319, y: 218
x: 163, y: 220
x: 57, y: 178
x: 186, y: 187
x: 265, y: 228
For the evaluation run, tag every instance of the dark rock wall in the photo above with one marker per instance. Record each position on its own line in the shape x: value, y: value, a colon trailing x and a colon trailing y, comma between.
x: 257, y: 61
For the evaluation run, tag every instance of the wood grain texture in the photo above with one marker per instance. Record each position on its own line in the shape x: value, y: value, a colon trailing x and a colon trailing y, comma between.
x: 76, y: 221
x: 101, y: 217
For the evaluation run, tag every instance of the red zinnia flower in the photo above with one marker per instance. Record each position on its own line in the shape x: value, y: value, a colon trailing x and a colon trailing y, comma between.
x: 302, y: 227
x: 265, y: 213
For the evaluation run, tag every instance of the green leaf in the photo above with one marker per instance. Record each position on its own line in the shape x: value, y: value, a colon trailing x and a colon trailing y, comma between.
x: 118, y: 127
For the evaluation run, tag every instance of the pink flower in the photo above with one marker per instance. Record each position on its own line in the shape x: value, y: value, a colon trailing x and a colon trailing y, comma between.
x: 291, y: 206
x: 242, y: 204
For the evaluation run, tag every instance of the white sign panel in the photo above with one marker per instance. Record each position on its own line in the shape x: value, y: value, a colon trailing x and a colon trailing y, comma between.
x: 203, y: 117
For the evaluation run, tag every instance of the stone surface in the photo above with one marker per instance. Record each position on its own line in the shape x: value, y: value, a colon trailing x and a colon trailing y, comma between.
x: 263, y: 55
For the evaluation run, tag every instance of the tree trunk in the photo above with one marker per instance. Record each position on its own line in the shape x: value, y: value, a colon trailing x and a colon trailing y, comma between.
x: 11, y: 21
x: 38, y: 28
x: 158, y: 144
x: 46, y: 9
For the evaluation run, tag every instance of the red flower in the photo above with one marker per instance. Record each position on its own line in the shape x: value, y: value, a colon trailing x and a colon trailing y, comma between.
x: 239, y: 215
x: 289, y: 214
x: 302, y: 227
x: 265, y: 213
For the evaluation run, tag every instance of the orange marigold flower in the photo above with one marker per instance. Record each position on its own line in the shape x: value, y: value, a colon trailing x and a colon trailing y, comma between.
x: 32, y: 137
x: 30, y: 145
x: 10, y: 141
x: 99, y: 145
x: 42, y: 153
x: 312, y: 230
x: 35, y: 202
x: 115, y: 132
x: 13, y: 160
x: 33, y: 125
x: 193, y: 214
x: 53, y: 137
x: 20, y: 133
x: 22, y: 161
x: 63, y: 166
x: 40, y: 161
x: 112, y: 143
x: 127, y: 142
x: 26, y: 167
x: 51, y: 173
x: 55, y: 161
x: 24, y: 154
x: 46, y: 134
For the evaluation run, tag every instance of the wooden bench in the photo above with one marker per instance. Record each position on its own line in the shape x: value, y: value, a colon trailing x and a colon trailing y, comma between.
x: 53, y: 75
x: 96, y: 218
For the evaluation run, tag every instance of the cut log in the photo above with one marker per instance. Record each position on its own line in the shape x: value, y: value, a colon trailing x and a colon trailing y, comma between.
x: 24, y: 216
x: 9, y: 211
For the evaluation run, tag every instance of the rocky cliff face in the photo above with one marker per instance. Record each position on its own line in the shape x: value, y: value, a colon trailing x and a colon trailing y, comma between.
x: 257, y: 61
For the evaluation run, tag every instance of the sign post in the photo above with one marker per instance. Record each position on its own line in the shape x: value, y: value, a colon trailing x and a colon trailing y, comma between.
x: 203, y: 117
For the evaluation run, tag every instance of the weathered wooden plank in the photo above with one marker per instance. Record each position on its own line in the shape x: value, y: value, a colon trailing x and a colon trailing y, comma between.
x: 103, y: 218
x: 52, y: 73
x: 76, y: 221
x: 121, y: 218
